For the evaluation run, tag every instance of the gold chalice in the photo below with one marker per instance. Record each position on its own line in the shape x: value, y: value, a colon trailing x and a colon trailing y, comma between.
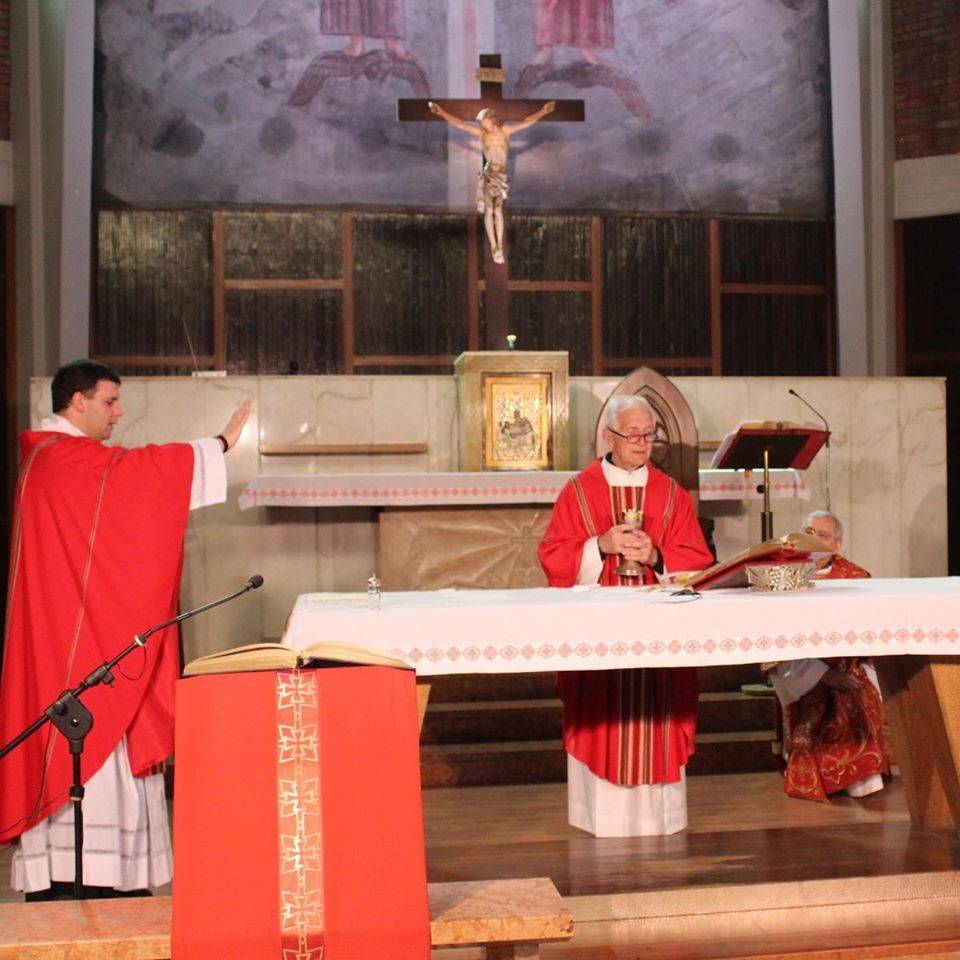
x: 630, y: 568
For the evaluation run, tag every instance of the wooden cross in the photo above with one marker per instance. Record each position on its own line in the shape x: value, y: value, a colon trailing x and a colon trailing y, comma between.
x: 491, y: 77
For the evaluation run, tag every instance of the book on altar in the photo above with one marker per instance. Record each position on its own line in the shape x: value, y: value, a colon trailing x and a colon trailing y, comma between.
x: 732, y: 572
x: 278, y: 656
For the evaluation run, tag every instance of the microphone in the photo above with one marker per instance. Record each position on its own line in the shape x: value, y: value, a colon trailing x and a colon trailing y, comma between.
x: 826, y: 426
x: 254, y: 582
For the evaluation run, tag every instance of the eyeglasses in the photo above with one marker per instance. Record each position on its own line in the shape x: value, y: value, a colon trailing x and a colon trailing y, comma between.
x: 634, y: 437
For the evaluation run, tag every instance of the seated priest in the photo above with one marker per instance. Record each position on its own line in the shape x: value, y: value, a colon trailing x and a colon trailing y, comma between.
x: 627, y: 733
x: 96, y: 557
x: 826, y: 527
x: 832, y: 709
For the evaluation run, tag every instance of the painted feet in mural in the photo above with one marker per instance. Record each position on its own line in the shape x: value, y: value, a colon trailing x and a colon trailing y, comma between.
x: 374, y: 65
x: 397, y: 49
x: 583, y: 74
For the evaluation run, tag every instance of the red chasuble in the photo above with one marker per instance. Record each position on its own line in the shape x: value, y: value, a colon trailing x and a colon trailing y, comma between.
x: 844, y: 569
x: 630, y: 727
x: 835, y: 737
x: 95, y: 558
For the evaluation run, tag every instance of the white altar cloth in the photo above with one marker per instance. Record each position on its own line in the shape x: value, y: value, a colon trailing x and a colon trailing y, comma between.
x: 472, y: 489
x: 516, y: 631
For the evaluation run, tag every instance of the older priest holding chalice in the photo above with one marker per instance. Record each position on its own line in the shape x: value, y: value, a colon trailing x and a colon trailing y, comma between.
x: 627, y: 733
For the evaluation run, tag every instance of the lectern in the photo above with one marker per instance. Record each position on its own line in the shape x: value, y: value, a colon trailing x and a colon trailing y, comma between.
x: 757, y: 446
x: 298, y: 825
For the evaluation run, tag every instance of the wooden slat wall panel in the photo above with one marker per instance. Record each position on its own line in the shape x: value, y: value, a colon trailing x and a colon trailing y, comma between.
x: 669, y: 371
x: 554, y: 321
x: 283, y: 245
x: 645, y: 291
x: 931, y: 267
x: 410, y: 284
x: 548, y: 248
x: 402, y: 369
x: 773, y: 335
x: 268, y: 329
x: 773, y: 251
x: 929, y: 296
x: 153, y: 273
x: 656, y: 287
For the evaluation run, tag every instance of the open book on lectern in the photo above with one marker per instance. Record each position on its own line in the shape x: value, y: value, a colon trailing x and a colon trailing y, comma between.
x: 278, y: 656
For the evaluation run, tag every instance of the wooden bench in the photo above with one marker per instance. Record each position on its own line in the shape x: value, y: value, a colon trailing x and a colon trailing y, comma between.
x: 508, y: 918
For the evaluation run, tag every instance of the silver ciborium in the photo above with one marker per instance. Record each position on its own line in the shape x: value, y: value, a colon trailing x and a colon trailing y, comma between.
x: 766, y: 577
x: 630, y: 568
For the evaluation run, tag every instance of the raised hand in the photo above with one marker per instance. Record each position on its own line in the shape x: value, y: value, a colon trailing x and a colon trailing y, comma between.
x: 231, y: 432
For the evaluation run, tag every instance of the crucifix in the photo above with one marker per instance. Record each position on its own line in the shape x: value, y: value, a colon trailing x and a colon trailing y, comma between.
x: 484, y: 118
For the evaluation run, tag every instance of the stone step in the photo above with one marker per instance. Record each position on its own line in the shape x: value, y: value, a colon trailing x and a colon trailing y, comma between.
x: 726, y: 711
x: 487, y: 721
x: 470, y: 765
x: 729, y: 677
x: 473, y: 687
x: 543, y: 761
x: 745, y: 751
x: 470, y: 687
x: 490, y: 721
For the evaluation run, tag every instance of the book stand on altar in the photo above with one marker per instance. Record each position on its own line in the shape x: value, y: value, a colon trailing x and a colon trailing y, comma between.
x: 765, y: 446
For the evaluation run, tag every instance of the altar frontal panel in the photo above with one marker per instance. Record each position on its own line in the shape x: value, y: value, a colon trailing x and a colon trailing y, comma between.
x: 298, y: 829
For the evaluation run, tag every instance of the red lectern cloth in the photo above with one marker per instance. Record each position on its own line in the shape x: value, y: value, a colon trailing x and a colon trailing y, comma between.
x: 95, y: 557
x: 298, y: 824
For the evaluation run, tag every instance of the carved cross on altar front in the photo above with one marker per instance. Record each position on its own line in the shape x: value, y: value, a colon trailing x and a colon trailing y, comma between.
x: 492, y: 77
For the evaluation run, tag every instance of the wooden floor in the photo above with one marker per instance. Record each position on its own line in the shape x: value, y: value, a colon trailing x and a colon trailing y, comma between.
x: 743, y: 829
x: 756, y: 875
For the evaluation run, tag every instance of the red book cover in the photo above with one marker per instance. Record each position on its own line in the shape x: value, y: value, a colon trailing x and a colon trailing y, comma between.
x: 732, y: 571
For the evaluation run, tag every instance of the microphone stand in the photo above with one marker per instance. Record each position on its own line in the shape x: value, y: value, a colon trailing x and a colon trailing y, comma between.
x: 826, y: 426
x: 74, y: 720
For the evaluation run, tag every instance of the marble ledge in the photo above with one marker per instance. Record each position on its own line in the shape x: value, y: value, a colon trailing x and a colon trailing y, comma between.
x: 495, y: 911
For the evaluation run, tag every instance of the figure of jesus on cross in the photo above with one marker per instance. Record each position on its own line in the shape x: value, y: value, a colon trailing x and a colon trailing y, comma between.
x: 493, y: 184
x: 492, y: 118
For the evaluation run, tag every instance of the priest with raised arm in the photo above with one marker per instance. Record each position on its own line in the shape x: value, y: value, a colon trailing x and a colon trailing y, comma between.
x: 96, y: 554
x: 627, y: 733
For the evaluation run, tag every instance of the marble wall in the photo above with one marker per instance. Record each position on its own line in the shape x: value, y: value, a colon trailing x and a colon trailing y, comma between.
x: 888, y: 472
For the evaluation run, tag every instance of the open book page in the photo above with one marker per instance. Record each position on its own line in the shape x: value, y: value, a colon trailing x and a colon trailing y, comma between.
x: 336, y: 599
x: 731, y: 572
x: 278, y: 656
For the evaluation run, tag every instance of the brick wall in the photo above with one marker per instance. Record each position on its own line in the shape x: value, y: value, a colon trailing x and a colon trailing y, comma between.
x: 5, y: 69
x: 926, y: 77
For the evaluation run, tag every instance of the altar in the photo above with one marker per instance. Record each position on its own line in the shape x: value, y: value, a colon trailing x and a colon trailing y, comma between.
x: 910, y: 626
